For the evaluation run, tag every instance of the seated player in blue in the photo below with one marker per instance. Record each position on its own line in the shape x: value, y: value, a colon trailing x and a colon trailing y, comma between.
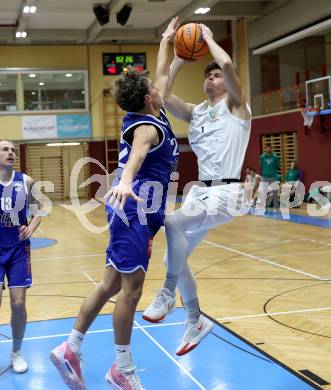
x: 148, y: 155
x: 15, y: 231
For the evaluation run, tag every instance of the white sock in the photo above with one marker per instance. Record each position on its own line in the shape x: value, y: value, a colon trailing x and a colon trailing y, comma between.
x: 193, y: 311
x: 123, y: 356
x: 75, y: 340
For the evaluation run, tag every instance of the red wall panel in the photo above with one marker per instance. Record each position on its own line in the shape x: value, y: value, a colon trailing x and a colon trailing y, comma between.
x: 314, y: 145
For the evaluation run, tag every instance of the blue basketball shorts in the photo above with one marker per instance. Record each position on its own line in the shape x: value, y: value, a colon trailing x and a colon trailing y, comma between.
x: 130, y: 246
x: 15, y: 264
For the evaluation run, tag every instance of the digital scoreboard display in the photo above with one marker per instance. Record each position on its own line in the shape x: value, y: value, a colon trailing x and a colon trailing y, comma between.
x: 115, y: 63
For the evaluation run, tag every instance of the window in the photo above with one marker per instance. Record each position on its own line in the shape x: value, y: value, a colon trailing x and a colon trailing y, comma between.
x: 31, y: 90
x: 8, y: 92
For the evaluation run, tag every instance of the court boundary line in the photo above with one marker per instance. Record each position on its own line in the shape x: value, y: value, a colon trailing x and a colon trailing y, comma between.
x: 141, y: 328
x: 109, y: 330
x: 273, y: 359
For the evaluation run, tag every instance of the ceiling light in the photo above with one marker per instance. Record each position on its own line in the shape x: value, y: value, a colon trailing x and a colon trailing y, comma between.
x: 68, y: 74
x: 64, y: 144
x: 32, y: 75
x: 21, y: 34
x: 82, y: 92
x: 202, y: 10
x: 29, y: 10
x: 41, y: 83
x: 33, y: 93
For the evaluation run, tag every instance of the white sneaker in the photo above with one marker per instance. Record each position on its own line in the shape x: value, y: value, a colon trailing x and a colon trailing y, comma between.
x: 164, y: 303
x: 126, y: 380
x: 194, y: 333
x: 18, y: 363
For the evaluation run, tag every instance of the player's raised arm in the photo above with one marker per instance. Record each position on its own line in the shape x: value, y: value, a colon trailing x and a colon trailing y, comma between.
x: 231, y: 79
x: 144, y: 138
x: 165, y: 77
x: 162, y: 66
x: 174, y: 104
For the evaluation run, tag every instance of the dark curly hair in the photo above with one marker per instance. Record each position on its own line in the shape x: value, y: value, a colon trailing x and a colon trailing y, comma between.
x: 130, y: 89
x: 211, y: 66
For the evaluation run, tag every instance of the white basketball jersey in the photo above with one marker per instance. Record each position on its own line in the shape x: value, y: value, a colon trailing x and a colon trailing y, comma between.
x: 219, y: 139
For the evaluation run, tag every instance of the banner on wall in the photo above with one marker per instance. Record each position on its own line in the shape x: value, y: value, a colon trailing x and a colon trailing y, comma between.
x: 56, y: 126
x: 39, y: 126
x: 73, y: 126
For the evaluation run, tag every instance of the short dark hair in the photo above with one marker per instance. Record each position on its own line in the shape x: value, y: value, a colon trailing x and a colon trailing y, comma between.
x: 130, y: 89
x: 268, y: 145
x: 211, y: 66
x: 5, y: 140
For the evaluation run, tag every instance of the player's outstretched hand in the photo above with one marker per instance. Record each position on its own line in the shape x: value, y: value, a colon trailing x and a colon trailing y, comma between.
x: 206, y: 32
x: 171, y: 29
x: 118, y: 195
x: 182, y: 60
x: 24, y: 232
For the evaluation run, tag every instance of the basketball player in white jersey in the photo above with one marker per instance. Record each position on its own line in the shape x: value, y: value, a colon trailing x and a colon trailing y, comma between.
x: 219, y: 130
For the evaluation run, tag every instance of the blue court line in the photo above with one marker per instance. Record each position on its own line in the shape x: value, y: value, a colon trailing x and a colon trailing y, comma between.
x: 223, y: 361
x: 296, y: 218
x: 38, y: 243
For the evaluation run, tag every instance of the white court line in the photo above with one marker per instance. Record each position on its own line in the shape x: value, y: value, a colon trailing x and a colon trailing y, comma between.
x: 68, y: 257
x: 89, y: 278
x: 41, y: 231
x: 170, y: 357
x: 263, y: 260
x: 97, y: 254
x: 165, y: 352
x: 274, y: 313
x: 52, y: 336
x: 325, y: 251
x: 95, y: 283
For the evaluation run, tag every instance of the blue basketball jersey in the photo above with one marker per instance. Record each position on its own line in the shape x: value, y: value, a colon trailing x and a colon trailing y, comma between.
x: 13, y: 209
x: 160, y: 161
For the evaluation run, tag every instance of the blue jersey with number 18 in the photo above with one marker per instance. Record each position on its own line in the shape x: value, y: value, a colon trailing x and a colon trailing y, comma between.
x: 13, y: 209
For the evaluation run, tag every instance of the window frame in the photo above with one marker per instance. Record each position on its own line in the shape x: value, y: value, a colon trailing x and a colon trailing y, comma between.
x: 20, y: 90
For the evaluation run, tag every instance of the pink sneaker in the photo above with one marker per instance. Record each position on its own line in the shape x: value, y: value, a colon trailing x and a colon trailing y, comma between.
x: 123, y: 380
x: 68, y: 364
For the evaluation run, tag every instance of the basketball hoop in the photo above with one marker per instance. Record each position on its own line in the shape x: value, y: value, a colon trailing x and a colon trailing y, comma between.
x: 307, y: 119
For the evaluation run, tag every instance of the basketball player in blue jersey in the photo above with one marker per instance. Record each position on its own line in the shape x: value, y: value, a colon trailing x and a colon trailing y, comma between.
x: 148, y: 154
x: 15, y: 231
x: 219, y: 130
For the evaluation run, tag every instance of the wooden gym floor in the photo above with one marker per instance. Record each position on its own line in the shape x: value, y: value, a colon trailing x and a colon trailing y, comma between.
x: 267, y: 279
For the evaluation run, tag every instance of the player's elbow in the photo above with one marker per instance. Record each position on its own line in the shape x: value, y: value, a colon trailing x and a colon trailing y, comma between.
x: 228, y: 65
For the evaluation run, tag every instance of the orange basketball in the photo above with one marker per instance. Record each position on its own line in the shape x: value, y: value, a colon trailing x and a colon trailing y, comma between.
x: 189, y: 43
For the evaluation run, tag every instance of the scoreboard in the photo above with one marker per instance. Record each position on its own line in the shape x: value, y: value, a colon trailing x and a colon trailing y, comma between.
x: 115, y: 63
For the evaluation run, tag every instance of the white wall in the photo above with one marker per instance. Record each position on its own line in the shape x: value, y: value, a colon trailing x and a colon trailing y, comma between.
x: 292, y: 59
x: 255, y: 74
x: 292, y: 16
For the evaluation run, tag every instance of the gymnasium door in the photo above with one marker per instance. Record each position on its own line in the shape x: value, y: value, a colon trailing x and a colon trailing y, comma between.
x: 55, y: 164
x: 285, y: 146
